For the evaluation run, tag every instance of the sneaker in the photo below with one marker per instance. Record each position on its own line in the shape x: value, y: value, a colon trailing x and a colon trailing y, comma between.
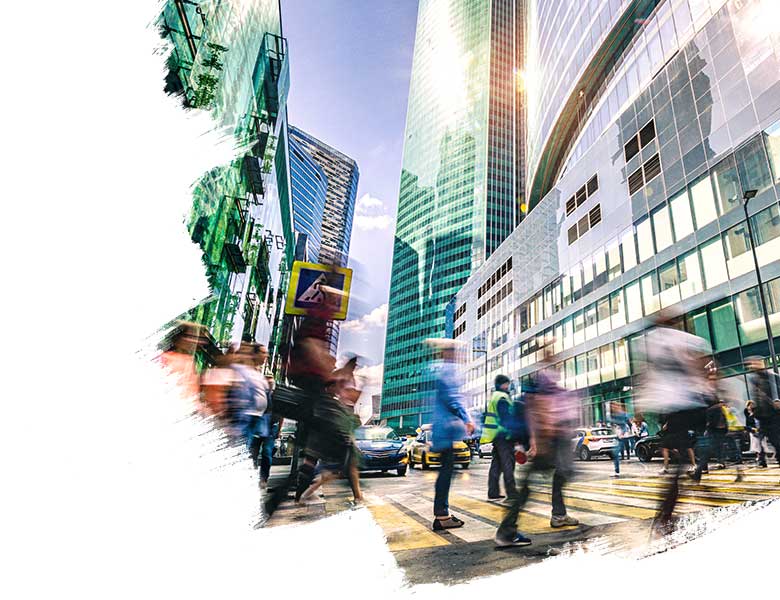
x: 494, y: 498
x: 563, y: 521
x: 448, y: 523
x: 761, y: 465
x: 721, y: 466
x: 518, y: 540
x: 664, y: 471
x: 615, y: 475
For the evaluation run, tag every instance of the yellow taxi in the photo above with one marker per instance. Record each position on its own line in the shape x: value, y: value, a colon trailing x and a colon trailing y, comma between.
x: 420, y: 451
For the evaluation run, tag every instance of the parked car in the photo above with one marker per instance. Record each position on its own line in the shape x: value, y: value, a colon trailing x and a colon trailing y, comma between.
x: 649, y: 447
x: 593, y: 441
x: 381, y: 450
x: 420, y: 452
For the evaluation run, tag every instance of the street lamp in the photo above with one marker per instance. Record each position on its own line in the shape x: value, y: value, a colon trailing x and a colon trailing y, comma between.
x: 749, y: 195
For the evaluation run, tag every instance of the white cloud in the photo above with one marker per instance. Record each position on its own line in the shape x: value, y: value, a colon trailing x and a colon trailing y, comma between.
x: 368, y: 203
x: 371, y: 375
x: 367, y: 223
x: 376, y: 318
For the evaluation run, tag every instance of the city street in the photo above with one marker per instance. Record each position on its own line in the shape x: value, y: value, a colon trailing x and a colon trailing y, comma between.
x: 622, y: 509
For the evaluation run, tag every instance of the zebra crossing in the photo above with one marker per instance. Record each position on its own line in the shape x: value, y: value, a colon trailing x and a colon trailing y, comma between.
x: 403, y: 507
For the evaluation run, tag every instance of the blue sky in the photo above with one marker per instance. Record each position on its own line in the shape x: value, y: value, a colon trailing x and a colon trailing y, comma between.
x: 350, y: 63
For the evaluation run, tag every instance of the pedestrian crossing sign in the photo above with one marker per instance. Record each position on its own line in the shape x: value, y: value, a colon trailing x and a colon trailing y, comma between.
x: 306, y: 294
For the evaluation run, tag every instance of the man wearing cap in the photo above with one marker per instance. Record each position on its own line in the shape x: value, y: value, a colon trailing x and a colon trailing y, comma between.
x: 496, y: 430
x: 451, y: 423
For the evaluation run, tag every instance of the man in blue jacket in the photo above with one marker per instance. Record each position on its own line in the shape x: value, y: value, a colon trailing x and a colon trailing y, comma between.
x: 451, y: 423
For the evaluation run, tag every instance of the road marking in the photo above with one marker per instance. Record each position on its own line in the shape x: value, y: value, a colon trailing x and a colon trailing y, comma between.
x: 529, y: 522
x: 474, y: 530
x: 743, y: 487
x: 597, y: 504
x: 633, y: 493
x: 402, y: 531
x: 543, y: 508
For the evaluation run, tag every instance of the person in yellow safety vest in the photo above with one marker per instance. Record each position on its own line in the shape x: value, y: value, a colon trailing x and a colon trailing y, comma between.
x: 494, y: 430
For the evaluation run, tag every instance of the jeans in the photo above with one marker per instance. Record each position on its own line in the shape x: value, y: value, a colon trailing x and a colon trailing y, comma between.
x: 503, y: 463
x: 712, y: 445
x: 441, y: 500
x: 616, y: 456
x: 557, y: 461
x: 625, y: 448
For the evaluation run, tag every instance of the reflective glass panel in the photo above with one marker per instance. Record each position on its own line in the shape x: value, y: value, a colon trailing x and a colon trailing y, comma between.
x: 613, y: 260
x: 644, y: 238
x: 603, y: 315
x: 738, y: 257
x: 621, y: 358
x: 591, y: 331
x: 766, y: 232
x: 690, y: 274
x: 703, y: 202
x: 628, y: 248
x: 617, y: 309
x: 607, y: 359
x: 681, y: 216
x: 750, y: 317
x: 724, y: 325
x: 662, y: 228
x: 633, y: 301
x: 669, y: 283
x: 726, y: 182
x: 650, y: 293
x: 712, y: 256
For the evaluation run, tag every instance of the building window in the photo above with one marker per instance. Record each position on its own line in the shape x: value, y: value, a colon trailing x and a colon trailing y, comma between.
x: 726, y: 180
x: 724, y: 326
x: 690, y: 274
x: 628, y: 247
x: 772, y: 141
x: 681, y: 216
x: 703, y: 202
x: 766, y: 231
x: 631, y: 149
x: 650, y: 293
x: 712, y: 256
x: 652, y: 168
x: 613, y: 260
x: 593, y: 185
x: 738, y: 258
x: 750, y: 317
x: 644, y: 238
x: 633, y: 301
x: 669, y: 283
x: 603, y: 316
x: 617, y: 311
x: 662, y: 228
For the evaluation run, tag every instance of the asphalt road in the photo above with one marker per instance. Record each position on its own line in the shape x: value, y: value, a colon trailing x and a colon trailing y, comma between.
x: 617, y: 510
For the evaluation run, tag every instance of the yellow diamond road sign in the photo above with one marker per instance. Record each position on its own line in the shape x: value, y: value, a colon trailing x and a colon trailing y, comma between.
x: 306, y: 292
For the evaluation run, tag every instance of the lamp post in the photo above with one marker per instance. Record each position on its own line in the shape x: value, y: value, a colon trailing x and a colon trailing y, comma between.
x: 749, y: 195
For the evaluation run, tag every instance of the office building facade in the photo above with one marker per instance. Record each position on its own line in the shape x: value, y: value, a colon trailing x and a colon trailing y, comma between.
x: 637, y: 201
x: 229, y: 58
x: 342, y: 177
x: 462, y: 178
x: 309, y: 193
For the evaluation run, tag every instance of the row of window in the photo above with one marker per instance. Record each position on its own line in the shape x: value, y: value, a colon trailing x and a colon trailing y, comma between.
x: 494, y: 278
x: 460, y: 311
x: 585, y: 224
x: 582, y: 194
x: 702, y: 202
x: 639, y: 141
x: 725, y: 256
x: 495, y: 299
x: 644, y: 174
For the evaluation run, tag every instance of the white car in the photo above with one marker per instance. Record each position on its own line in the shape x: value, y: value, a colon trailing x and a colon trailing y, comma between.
x: 593, y: 441
x: 486, y: 449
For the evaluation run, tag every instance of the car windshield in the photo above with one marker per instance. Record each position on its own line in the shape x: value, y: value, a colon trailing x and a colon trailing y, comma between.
x: 601, y: 432
x: 375, y: 433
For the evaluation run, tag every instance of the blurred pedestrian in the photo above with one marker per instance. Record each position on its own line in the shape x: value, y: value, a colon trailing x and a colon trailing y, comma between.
x: 767, y: 407
x: 675, y: 387
x: 551, y: 413
x: 451, y: 423
x: 713, y: 442
x: 178, y: 356
x: 496, y: 431
x: 758, y: 445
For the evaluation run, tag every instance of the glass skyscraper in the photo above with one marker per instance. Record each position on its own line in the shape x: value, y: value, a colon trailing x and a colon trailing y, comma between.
x: 230, y: 59
x: 309, y: 191
x: 342, y: 175
x: 644, y: 138
x: 462, y: 179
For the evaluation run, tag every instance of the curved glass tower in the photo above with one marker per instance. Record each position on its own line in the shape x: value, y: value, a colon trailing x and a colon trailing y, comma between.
x: 461, y: 180
x: 309, y: 188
